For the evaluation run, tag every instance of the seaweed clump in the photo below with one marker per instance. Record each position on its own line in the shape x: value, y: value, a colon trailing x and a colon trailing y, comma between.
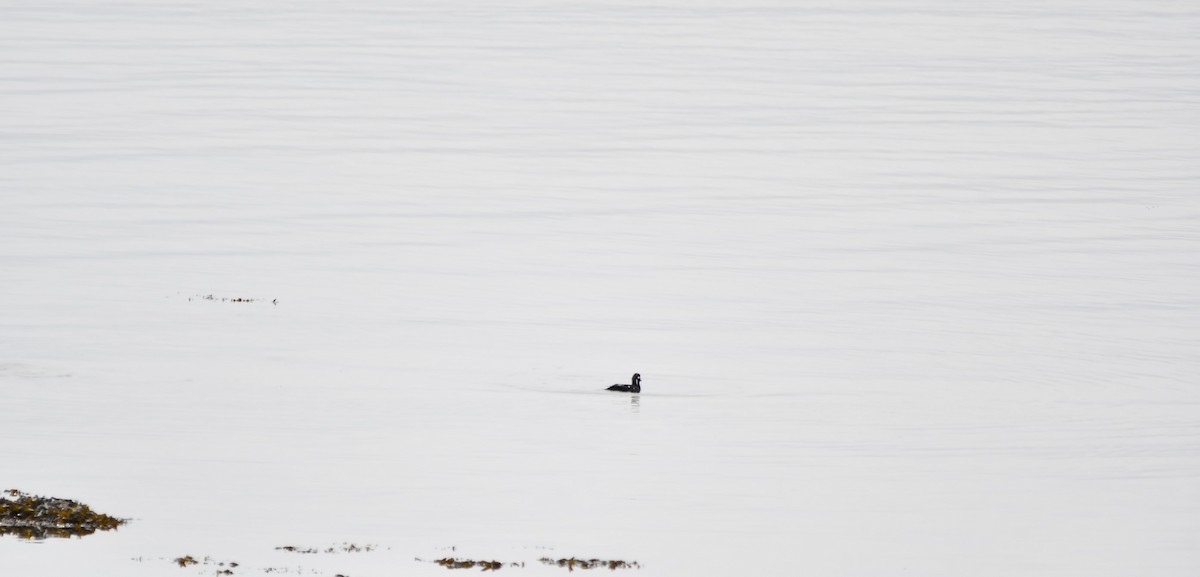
x: 573, y: 563
x: 35, y: 517
x: 187, y: 560
x: 453, y: 563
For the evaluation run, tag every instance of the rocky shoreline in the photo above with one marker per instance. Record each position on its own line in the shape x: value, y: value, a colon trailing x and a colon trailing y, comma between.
x: 36, y: 517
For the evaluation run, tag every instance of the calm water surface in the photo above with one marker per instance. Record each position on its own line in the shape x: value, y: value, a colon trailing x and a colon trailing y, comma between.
x: 912, y: 286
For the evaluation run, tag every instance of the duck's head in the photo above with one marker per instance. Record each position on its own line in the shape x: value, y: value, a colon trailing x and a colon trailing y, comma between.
x: 637, y: 378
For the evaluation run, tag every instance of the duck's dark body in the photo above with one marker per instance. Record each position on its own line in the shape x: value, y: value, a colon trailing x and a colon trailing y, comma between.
x: 636, y: 387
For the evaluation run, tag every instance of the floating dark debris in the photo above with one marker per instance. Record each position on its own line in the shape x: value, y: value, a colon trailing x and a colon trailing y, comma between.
x: 215, y: 298
x: 573, y: 563
x: 294, y: 549
x: 34, y: 517
x: 223, y: 567
x: 453, y: 563
x: 343, y: 548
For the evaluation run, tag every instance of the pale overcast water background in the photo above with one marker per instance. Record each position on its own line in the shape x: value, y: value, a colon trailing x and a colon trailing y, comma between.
x: 912, y: 286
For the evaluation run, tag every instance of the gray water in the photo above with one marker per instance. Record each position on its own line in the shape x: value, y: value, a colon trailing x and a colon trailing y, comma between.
x: 912, y: 286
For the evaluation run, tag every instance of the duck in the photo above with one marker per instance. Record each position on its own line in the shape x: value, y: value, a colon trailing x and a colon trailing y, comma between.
x: 635, y: 387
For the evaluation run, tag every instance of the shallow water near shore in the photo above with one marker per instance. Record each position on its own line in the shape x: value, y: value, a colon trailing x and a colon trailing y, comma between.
x: 912, y: 288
